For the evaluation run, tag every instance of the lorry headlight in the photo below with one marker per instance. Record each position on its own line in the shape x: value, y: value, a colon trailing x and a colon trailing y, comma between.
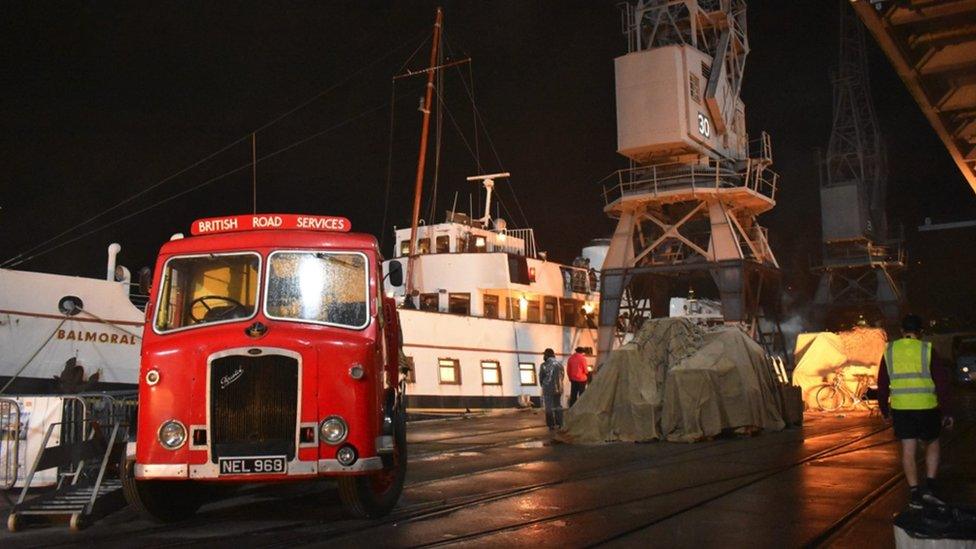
x: 172, y: 434
x: 333, y: 430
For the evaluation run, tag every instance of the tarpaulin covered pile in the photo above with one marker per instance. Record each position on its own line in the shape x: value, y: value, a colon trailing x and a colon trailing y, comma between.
x: 727, y: 384
x: 819, y: 355
x: 676, y: 382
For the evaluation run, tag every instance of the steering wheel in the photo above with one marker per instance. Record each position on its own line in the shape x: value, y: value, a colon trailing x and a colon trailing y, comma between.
x: 217, y: 313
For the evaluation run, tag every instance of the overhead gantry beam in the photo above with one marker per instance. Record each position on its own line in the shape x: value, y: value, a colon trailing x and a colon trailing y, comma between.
x: 932, y: 45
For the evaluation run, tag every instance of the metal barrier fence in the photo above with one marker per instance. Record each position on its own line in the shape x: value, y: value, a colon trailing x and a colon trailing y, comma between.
x: 81, y: 416
x: 108, y: 408
x: 10, y: 434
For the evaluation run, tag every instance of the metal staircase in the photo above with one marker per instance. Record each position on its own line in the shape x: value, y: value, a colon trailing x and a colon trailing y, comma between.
x: 87, y: 456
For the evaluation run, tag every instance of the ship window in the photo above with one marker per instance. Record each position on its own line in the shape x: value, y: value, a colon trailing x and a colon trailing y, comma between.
x: 491, y: 306
x: 320, y: 287
x: 423, y: 245
x: 491, y: 373
x: 404, y: 247
x: 459, y: 304
x: 443, y: 244
x: 570, y: 311
x: 449, y: 371
x: 518, y: 269
x: 199, y: 290
x: 527, y: 373
x: 429, y: 302
x: 549, y: 310
x: 411, y: 370
x: 533, y: 310
x: 462, y: 243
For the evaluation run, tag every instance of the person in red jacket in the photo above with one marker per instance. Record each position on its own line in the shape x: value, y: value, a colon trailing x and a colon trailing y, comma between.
x: 578, y: 375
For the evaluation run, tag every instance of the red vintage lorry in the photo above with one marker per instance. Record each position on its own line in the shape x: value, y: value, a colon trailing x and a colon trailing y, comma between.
x: 270, y: 354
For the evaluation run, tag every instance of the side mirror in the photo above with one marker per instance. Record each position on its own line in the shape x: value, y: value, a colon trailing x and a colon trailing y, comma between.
x: 396, y: 273
x: 145, y: 280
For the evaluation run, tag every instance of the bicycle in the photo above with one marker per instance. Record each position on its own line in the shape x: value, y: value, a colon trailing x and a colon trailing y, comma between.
x: 836, y: 394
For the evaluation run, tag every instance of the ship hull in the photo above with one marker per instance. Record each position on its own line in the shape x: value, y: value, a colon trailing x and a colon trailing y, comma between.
x: 38, y: 338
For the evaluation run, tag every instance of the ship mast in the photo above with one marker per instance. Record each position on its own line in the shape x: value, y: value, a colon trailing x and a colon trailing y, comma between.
x: 422, y: 156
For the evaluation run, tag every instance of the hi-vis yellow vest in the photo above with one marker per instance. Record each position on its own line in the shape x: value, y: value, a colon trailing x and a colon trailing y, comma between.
x: 909, y: 361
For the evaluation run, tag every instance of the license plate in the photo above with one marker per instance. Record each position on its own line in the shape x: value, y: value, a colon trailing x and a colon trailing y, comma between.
x: 253, y: 465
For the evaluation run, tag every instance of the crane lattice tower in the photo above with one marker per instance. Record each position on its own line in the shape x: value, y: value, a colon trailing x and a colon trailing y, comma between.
x: 857, y: 275
x: 687, y: 206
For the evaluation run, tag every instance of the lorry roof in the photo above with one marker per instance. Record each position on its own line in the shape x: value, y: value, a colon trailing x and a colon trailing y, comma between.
x: 245, y: 240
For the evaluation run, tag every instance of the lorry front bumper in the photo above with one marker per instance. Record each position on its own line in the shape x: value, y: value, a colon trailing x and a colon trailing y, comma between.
x: 211, y: 471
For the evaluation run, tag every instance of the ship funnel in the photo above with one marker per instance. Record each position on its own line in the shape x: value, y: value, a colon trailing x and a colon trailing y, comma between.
x: 113, y: 251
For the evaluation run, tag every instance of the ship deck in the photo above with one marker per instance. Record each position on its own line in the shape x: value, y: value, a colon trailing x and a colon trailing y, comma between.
x: 499, y: 480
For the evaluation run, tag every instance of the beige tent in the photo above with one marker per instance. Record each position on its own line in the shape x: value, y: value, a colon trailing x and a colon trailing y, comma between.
x: 819, y: 355
x: 674, y: 381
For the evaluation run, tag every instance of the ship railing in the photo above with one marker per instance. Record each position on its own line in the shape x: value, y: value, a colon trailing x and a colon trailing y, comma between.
x: 11, y: 433
x: 709, y: 174
x: 578, y: 280
x: 526, y: 236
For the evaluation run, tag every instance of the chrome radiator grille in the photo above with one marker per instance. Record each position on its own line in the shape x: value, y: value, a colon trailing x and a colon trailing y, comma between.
x: 253, y: 406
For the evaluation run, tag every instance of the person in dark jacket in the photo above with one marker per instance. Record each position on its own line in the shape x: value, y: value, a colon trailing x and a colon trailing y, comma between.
x: 551, y: 380
x: 913, y: 377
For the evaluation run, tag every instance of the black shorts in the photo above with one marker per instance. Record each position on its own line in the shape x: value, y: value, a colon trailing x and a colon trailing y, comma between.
x: 920, y: 424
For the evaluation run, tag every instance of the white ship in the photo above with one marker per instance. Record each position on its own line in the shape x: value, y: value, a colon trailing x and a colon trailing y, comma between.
x: 67, y: 334
x: 484, y: 305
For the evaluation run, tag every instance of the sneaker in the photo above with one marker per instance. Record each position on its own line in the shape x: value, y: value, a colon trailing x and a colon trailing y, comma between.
x: 915, y: 498
x: 928, y: 497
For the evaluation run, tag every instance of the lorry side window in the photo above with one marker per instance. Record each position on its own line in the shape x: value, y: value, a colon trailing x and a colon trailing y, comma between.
x: 199, y: 290
x: 326, y: 288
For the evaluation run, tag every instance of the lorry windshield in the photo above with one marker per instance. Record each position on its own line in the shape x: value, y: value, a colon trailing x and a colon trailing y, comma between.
x: 324, y: 288
x: 197, y: 290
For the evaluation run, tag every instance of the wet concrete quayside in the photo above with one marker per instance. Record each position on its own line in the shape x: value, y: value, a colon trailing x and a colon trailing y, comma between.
x: 497, y: 481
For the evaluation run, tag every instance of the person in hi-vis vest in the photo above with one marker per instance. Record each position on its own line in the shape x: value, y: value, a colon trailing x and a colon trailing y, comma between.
x: 918, y: 385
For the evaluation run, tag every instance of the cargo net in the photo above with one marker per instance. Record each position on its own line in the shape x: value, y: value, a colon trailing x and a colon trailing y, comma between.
x: 678, y: 382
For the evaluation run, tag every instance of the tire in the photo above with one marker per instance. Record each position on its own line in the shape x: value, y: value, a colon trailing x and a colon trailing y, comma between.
x: 374, y: 495
x: 159, y: 500
x: 829, y: 398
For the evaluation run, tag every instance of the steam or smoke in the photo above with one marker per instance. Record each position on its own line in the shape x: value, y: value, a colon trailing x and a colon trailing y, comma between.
x: 791, y: 328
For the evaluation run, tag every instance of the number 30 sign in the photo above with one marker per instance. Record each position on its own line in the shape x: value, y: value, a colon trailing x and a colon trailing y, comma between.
x: 704, y: 126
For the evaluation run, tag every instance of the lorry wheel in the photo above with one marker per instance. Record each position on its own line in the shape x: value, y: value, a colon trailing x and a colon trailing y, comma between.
x: 374, y: 495
x: 160, y: 500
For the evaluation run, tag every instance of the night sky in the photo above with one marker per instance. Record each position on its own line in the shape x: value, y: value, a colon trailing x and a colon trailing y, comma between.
x: 102, y: 101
